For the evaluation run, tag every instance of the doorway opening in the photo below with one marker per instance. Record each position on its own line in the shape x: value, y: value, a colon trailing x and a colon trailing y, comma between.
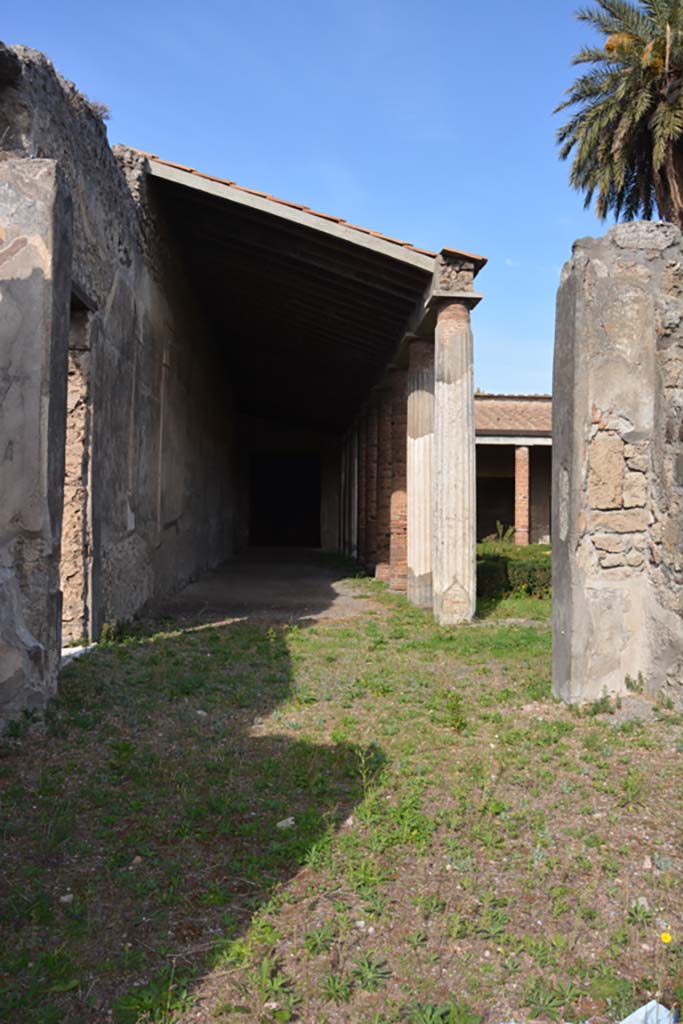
x: 495, y: 505
x: 284, y: 499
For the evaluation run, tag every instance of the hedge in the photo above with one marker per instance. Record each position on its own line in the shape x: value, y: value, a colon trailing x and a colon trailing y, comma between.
x: 503, y: 568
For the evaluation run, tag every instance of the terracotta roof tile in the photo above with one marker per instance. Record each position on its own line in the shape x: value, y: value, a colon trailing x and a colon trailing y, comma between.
x: 513, y: 414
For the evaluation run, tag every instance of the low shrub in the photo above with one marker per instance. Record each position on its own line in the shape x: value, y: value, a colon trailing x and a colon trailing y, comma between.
x: 504, y: 568
x: 492, y: 576
x: 530, y: 575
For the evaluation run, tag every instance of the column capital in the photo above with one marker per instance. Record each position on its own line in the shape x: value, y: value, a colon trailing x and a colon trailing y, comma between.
x: 453, y: 278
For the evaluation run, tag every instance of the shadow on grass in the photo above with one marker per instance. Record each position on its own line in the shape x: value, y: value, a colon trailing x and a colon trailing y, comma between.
x: 154, y: 815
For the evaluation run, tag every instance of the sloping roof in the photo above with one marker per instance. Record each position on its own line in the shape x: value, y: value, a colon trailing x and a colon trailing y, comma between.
x: 284, y: 204
x: 513, y: 414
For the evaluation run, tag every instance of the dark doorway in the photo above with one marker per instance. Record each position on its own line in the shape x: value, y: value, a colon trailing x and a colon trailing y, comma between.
x: 284, y: 500
x: 495, y: 504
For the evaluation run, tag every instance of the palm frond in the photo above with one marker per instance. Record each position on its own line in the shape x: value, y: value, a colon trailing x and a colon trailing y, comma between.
x: 625, y: 132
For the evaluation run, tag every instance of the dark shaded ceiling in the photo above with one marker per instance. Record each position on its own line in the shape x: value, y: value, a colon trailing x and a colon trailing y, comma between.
x: 308, y: 321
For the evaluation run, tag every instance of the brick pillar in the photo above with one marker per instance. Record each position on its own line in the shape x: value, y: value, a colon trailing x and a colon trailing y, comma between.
x: 522, y: 495
x: 384, y: 451
x: 399, y: 508
x: 371, y: 484
x: 362, y: 493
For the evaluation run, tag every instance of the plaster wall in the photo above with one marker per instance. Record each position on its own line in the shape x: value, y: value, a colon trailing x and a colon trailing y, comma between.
x: 35, y: 255
x: 160, y: 484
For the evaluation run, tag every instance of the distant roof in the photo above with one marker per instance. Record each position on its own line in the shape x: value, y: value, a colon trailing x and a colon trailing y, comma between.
x: 479, y: 261
x: 513, y: 414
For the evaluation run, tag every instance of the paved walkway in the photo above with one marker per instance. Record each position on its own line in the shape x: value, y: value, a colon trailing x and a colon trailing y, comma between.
x: 270, y: 584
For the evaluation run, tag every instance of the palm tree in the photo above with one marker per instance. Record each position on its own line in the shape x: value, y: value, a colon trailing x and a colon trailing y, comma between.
x: 626, y: 132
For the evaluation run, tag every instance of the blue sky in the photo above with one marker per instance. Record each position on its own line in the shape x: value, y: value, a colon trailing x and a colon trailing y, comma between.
x: 428, y: 121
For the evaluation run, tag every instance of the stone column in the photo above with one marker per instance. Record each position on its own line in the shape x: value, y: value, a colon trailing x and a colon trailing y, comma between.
x: 362, y: 492
x: 522, y: 495
x: 35, y: 286
x: 384, y: 449
x: 617, y: 493
x: 398, y: 513
x: 454, y: 486
x: 420, y: 436
x: 371, y: 484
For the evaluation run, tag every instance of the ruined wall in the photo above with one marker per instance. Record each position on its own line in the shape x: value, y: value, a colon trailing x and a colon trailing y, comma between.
x: 35, y: 260
x: 76, y: 554
x: 618, y: 465
x: 161, y: 407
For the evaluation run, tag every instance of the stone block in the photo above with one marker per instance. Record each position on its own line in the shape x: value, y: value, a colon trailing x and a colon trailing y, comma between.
x: 611, y: 561
x: 637, y: 463
x: 609, y: 542
x: 605, y: 471
x: 620, y: 521
x: 635, y: 490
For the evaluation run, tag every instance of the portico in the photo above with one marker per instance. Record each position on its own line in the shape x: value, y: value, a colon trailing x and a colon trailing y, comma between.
x: 242, y: 371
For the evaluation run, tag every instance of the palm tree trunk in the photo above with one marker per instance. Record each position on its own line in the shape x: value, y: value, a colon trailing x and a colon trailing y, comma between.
x: 668, y: 184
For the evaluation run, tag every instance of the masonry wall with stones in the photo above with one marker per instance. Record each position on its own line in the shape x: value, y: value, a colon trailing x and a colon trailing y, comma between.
x: 76, y: 552
x: 618, y: 466
x: 150, y: 451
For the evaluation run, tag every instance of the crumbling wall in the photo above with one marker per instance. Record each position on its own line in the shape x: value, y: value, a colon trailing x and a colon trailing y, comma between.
x: 618, y: 466
x: 76, y: 551
x: 159, y: 488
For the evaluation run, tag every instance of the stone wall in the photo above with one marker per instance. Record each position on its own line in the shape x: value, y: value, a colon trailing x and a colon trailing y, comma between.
x: 76, y: 554
x: 618, y: 466
x: 159, y: 486
x: 35, y: 262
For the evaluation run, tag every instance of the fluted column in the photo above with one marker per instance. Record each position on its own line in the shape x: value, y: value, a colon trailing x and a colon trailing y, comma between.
x: 420, y: 435
x: 398, y: 553
x: 454, y: 482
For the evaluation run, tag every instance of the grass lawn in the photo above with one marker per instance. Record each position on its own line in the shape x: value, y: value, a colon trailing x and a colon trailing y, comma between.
x: 364, y: 821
